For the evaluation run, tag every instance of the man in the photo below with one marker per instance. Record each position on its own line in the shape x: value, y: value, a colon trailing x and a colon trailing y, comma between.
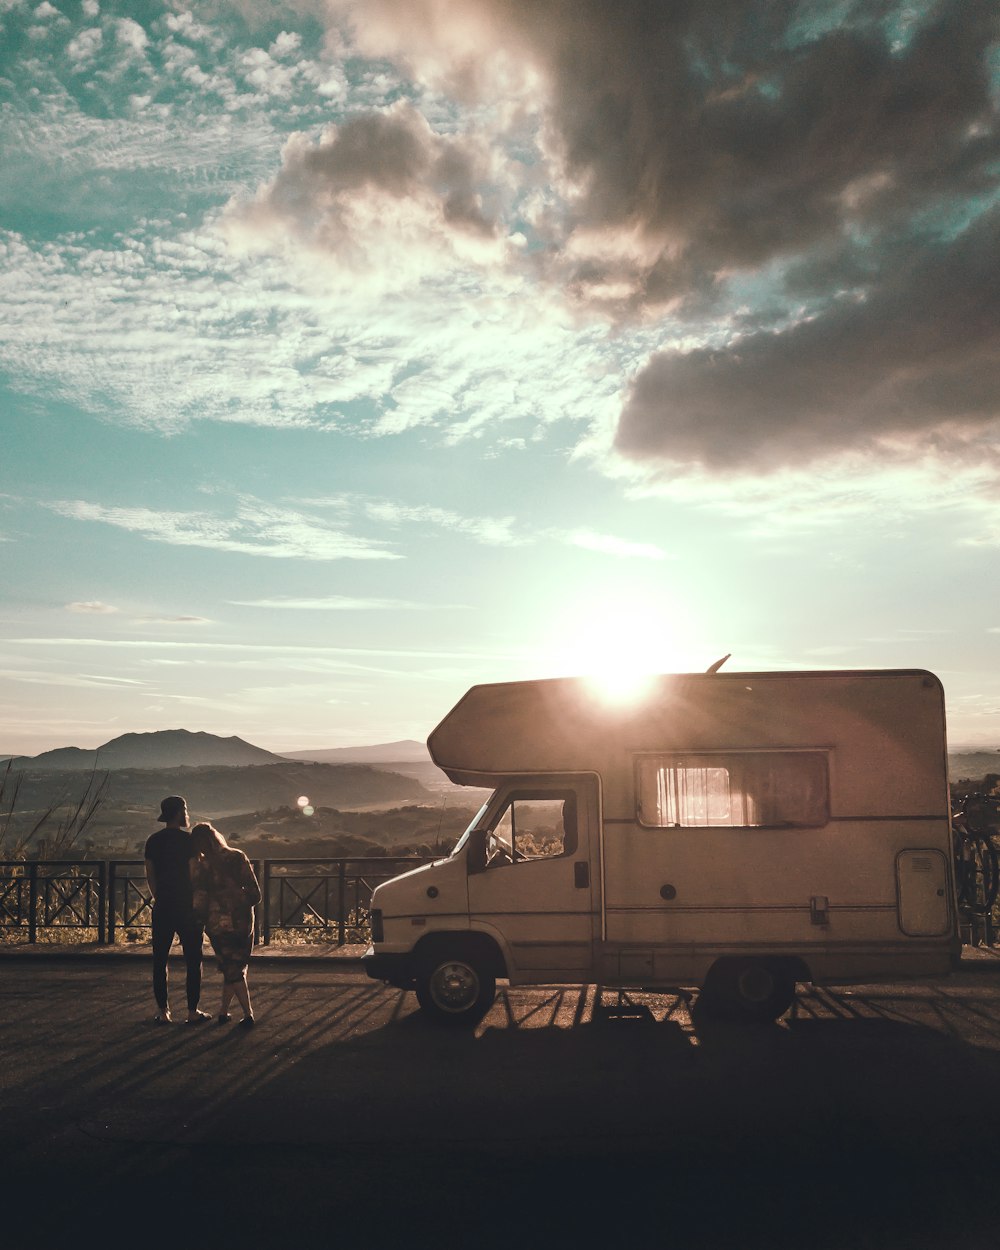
x: 168, y: 872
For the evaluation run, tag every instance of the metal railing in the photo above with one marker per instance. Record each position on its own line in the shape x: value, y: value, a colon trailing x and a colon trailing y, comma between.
x: 302, y: 900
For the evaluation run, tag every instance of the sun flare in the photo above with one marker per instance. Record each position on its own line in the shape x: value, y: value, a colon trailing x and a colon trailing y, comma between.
x: 620, y: 650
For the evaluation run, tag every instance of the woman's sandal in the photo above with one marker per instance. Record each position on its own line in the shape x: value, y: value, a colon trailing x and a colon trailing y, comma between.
x: 199, y: 1017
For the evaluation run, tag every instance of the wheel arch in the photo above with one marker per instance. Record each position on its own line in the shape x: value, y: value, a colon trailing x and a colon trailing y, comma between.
x: 462, y: 942
x: 794, y: 966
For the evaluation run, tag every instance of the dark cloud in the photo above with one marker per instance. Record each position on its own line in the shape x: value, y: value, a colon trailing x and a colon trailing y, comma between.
x: 733, y: 131
x: 920, y: 351
x: 394, y: 154
x: 741, y: 139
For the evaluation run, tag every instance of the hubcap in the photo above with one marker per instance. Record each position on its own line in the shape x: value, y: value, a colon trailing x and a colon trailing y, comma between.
x: 455, y: 986
x: 756, y: 985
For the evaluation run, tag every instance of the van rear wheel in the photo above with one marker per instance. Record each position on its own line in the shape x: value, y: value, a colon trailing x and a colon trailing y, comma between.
x: 456, y: 989
x: 748, y: 989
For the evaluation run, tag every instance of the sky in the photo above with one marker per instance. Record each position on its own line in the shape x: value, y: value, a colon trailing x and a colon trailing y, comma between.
x: 354, y: 353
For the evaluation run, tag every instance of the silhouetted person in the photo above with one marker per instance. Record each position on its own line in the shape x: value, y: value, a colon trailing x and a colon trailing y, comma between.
x: 168, y: 870
x: 226, y: 892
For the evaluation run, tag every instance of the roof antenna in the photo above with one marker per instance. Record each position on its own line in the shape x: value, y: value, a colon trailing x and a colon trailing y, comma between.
x: 714, y: 668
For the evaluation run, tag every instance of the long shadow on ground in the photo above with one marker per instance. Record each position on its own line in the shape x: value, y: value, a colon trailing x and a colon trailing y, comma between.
x: 847, y: 1132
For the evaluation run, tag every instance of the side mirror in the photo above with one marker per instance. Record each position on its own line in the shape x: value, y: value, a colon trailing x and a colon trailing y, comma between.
x: 475, y: 856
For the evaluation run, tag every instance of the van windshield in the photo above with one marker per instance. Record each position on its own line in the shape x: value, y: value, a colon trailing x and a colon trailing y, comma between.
x: 472, y: 825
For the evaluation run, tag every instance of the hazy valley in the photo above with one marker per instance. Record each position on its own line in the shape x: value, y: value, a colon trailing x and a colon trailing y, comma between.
x: 251, y: 794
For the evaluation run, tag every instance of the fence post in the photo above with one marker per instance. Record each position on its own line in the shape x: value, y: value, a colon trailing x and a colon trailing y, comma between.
x: 262, y: 905
x: 266, y: 901
x: 112, y: 887
x: 32, y: 901
x: 341, y: 905
x: 102, y: 903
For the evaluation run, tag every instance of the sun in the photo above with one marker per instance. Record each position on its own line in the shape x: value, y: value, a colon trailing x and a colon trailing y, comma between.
x: 620, y: 649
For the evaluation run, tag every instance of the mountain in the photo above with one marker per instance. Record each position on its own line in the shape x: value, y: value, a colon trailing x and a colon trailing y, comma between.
x: 165, y: 748
x: 405, y: 752
x: 973, y: 765
x: 133, y: 794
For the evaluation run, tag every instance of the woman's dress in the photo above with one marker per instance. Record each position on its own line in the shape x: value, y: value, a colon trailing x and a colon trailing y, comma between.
x: 225, y: 893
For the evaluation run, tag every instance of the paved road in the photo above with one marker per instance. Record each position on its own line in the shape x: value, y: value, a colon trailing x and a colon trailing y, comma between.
x: 871, y: 1118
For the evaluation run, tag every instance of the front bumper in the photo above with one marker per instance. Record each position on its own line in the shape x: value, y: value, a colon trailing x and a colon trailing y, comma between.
x: 395, y: 969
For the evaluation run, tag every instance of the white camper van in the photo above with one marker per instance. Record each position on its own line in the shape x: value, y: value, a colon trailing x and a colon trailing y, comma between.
x: 739, y: 832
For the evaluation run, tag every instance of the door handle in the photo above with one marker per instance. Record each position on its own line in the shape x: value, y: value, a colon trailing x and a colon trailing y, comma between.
x: 581, y: 874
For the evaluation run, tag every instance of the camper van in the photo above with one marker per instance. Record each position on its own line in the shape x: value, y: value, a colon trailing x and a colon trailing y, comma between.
x: 734, y: 832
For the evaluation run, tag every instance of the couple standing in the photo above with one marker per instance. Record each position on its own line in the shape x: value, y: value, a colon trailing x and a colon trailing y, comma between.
x: 199, y: 884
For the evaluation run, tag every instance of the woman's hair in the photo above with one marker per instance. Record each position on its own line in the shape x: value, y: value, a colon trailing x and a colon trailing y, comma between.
x: 206, y: 839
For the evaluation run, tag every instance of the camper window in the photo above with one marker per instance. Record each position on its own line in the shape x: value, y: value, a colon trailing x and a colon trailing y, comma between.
x: 533, y: 826
x: 733, y: 789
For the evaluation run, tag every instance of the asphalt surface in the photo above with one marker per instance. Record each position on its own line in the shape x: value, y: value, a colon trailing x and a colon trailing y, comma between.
x: 867, y: 1118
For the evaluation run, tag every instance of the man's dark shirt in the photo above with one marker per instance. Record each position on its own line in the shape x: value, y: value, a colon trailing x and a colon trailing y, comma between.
x: 171, y: 853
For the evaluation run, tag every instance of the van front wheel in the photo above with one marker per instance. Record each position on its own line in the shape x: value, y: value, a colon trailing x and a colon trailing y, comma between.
x: 455, y: 990
x: 749, y: 989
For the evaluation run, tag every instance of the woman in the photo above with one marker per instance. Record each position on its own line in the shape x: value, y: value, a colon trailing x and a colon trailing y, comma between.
x: 225, y: 893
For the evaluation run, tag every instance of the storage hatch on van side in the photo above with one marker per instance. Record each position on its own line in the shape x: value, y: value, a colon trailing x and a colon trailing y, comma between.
x: 922, y: 893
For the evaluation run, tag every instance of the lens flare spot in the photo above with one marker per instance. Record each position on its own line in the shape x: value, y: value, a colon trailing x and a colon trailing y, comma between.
x: 302, y: 801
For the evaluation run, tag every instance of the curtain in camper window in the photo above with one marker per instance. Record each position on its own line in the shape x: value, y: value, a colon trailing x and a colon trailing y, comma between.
x: 741, y: 790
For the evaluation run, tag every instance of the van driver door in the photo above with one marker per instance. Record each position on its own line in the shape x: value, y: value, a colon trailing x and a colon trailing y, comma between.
x: 537, y: 887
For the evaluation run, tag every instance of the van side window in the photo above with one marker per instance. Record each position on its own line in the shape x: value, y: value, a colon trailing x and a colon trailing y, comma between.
x: 733, y: 789
x: 533, y: 826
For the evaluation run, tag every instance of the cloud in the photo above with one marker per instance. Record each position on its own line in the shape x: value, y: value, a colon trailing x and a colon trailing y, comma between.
x: 131, y: 35
x: 729, y: 131
x: 94, y: 606
x: 173, y: 620
x: 492, y: 531
x: 851, y: 493
x: 81, y: 681
x: 84, y: 47
x: 343, y: 603
x: 257, y: 529
x: 619, y: 547
x: 783, y: 209
x: 377, y: 181
x: 917, y: 352
x: 804, y: 197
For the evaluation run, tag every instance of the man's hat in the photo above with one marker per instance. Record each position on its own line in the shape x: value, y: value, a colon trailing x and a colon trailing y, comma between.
x: 171, y: 807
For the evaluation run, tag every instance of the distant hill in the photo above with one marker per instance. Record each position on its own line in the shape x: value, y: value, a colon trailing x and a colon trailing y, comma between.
x: 973, y: 765
x: 406, y: 752
x: 133, y: 794
x: 165, y: 748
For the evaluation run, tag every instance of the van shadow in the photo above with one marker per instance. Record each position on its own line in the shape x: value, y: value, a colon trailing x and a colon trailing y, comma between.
x: 842, y: 1131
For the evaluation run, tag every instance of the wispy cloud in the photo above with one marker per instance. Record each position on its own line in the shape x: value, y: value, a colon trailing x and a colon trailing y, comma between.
x: 172, y: 620
x: 958, y: 481
x: 344, y: 603
x: 71, y: 680
x: 257, y: 529
x: 607, y: 544
x: 93, y: 606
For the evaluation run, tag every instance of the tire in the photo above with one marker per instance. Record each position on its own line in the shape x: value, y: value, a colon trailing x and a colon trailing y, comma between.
x: 456, y: 989
x: 748, y: 989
